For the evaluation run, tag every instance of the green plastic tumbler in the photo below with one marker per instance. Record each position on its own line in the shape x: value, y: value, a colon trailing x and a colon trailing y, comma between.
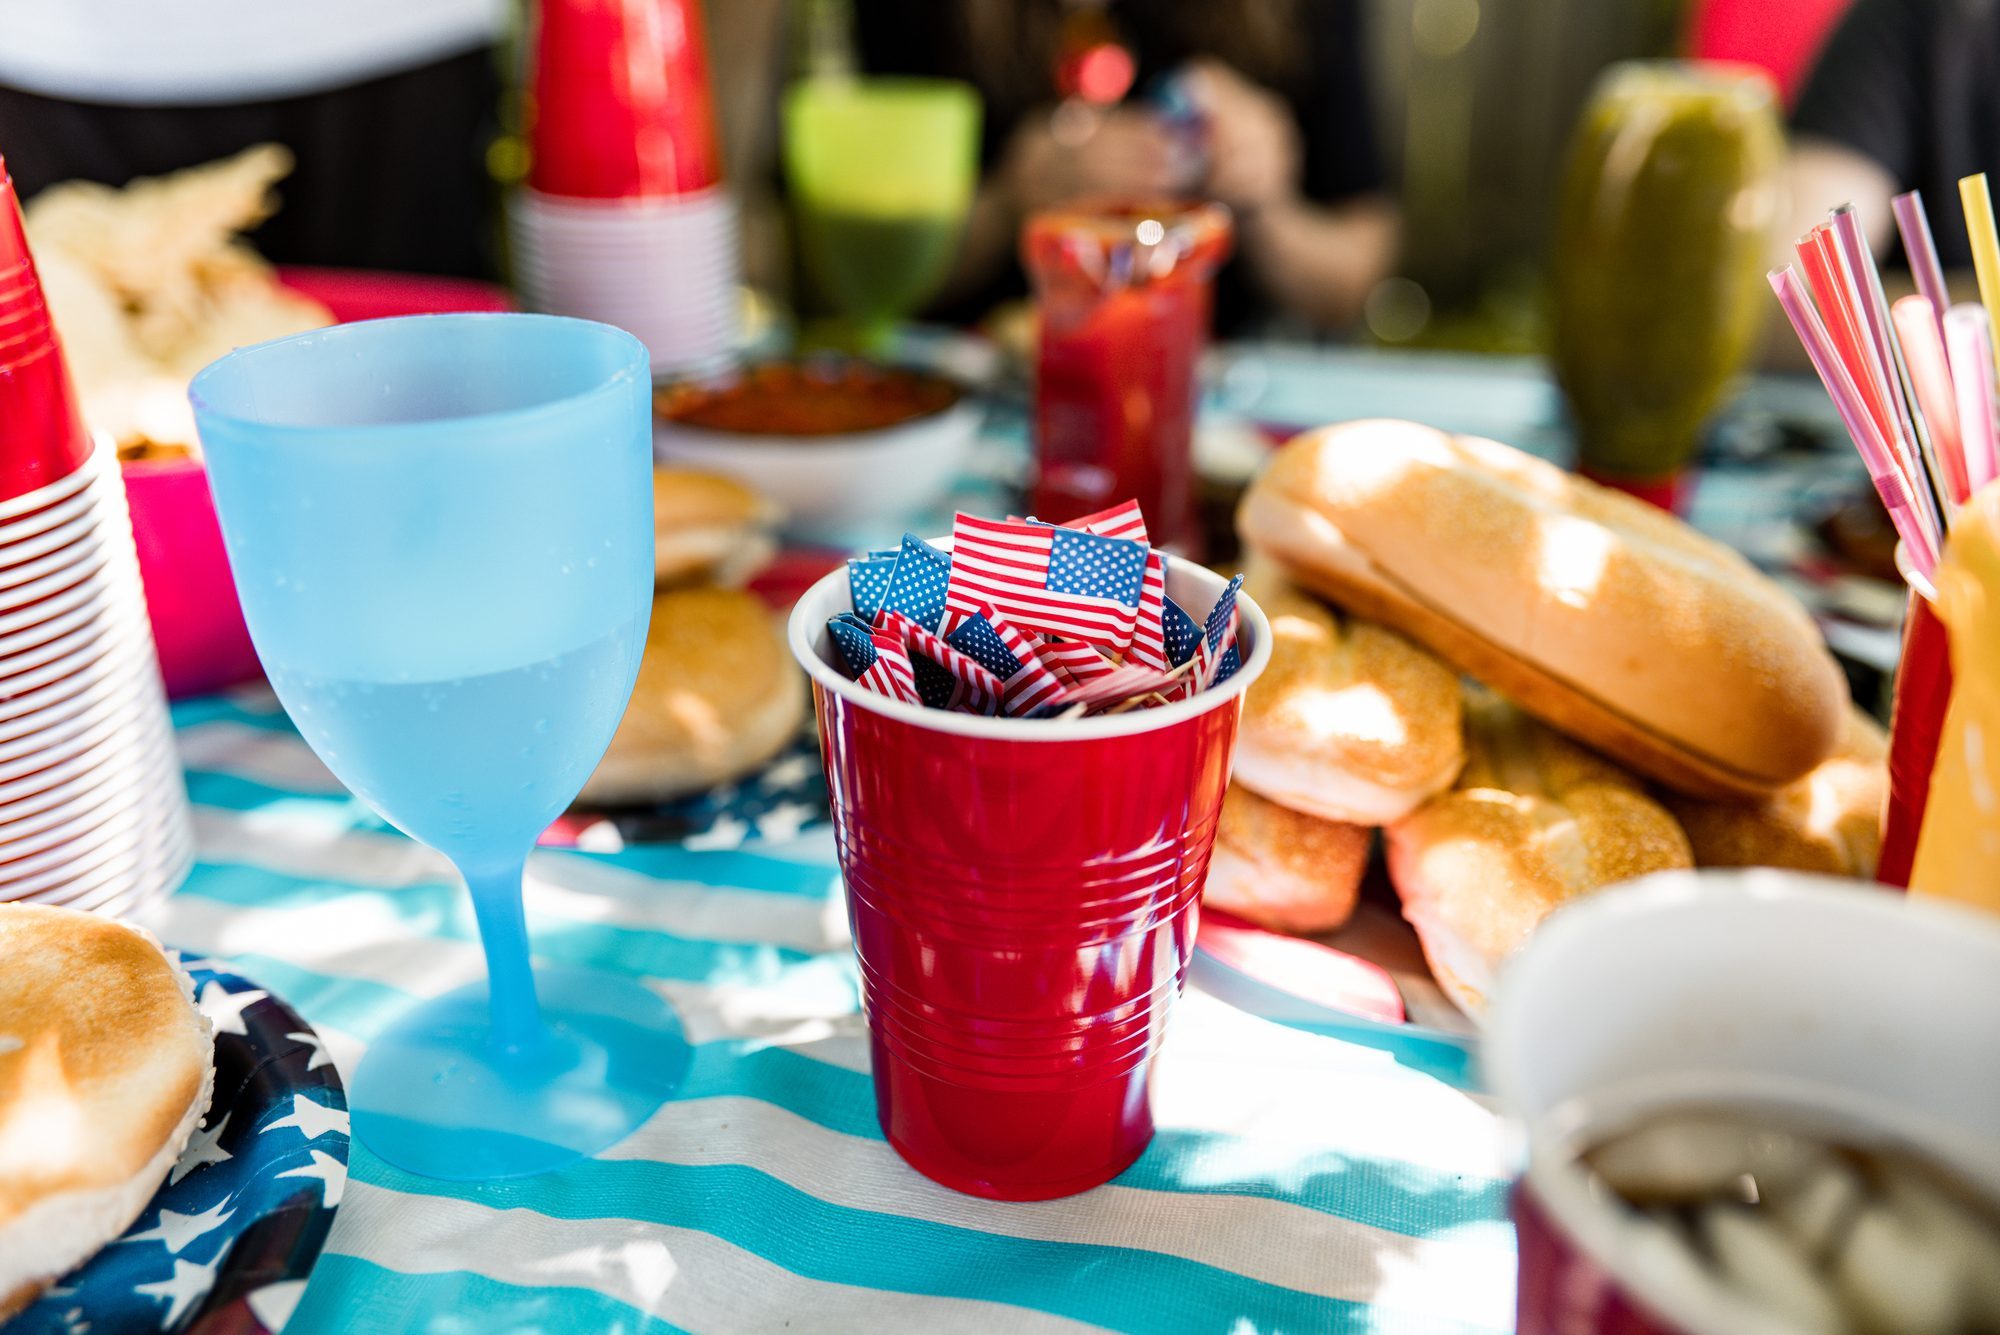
x: 881, y: 174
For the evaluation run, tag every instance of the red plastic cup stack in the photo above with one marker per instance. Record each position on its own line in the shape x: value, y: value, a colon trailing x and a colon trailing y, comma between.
x: 625, y: 217
x: 93, y: 813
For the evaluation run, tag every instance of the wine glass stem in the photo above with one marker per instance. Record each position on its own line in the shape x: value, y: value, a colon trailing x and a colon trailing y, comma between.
x: 503, y: 932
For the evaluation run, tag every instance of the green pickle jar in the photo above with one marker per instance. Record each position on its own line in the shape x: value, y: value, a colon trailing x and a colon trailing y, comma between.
x: 1663, y: 234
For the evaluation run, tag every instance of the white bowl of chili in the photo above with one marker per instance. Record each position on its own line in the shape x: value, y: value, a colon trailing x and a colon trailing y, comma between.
x: 837, y: 445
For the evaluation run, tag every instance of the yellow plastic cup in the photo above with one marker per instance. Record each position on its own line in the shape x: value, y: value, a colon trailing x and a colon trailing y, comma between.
x: 1958, y: 849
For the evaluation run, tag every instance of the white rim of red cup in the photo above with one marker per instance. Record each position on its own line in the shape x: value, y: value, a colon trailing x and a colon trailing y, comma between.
x: 115, y: 890
x: 77, y: 805
x: 123, y: 829
x: 19, y: 735
x: 62, y: 681
x: 148, y: 780
x: 129, y: 877
x: 708, y: 199
x: 74, y: 774
x: 63, y: 512
x: 47, y: 662
x: 45, y: 495
x: 12, y: 577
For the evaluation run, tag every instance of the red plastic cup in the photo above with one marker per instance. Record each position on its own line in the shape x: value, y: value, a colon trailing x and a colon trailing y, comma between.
x: 1024, y: 897
x: 1916, y: 721
x: 42, y: 437
x: 619, y: 104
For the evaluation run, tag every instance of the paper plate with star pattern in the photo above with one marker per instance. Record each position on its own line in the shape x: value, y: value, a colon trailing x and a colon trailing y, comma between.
x: 226, y: 1243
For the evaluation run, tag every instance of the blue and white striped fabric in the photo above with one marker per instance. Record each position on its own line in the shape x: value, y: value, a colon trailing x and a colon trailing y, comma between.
x: 1298, y: 1182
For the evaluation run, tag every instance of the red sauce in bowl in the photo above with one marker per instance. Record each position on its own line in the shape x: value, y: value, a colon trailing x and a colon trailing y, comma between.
x: 807, y: 399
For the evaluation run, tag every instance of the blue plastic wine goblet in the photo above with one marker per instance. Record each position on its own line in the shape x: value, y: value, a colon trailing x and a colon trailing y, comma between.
x: 441, y: 529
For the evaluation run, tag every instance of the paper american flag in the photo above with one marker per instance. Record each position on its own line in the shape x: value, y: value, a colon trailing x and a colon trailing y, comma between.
x: 1149, y: 637
x: 978, y: 689
x: 1148, y: 647
x: 1075, y: 660
x: 1050, y: 581
x: 891, y: 674
x: 1009, y: 654
x: 1120, y: 521
x: 1120, y: 683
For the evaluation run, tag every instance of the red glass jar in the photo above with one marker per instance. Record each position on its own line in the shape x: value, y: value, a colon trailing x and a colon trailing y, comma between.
x: 1124, y: 292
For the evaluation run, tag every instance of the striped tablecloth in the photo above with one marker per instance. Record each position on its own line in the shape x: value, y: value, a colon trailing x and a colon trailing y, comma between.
x: 1298, y: 1182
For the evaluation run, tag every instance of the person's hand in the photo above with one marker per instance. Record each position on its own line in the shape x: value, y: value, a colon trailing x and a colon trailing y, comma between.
x: 1253, y: 142
x: 1077, y: 151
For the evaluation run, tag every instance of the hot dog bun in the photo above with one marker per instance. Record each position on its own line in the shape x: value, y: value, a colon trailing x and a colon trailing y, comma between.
x: 1610, y: 620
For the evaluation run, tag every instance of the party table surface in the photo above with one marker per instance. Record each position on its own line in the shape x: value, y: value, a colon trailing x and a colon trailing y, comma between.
x: 1306, y: 1176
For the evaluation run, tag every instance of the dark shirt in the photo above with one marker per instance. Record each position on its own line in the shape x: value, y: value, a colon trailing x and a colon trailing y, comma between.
x: 1329, y: 99
x: 390, y: 173
x: 1915, y: 86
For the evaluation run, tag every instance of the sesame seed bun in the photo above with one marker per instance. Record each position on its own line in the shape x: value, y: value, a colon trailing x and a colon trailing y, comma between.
x: 718, y: 695
x: 1533, y: 822
x: 1351, y: 721
x: 1282, y: 869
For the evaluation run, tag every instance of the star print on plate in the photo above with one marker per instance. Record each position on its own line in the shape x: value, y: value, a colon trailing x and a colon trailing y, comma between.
x: 190, y: 1283
x: 788, y: 772
x: 785, y: 822
x: 176, y: 1231
x: 313, y: 1041
x: 246, y: 1209
x: 331, y: 1172
x: 225, y: 1009
x: 204, y: 1147
x: 725, y: 835
x: 313, y: 1119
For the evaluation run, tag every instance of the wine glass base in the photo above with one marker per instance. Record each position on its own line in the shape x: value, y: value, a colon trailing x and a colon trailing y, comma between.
x: 436, y: 1097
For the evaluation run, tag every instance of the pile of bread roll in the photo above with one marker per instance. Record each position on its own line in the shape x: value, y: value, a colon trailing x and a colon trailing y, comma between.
x: 1536, y: 687
x: 718, y: 694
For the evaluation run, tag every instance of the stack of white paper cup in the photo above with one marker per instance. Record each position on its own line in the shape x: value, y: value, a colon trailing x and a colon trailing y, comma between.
x: 93, y: 812
x: 668, y: 269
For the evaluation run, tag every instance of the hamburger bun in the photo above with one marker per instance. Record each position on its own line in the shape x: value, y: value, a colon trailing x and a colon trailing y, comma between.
x: 1830, y: 821
x: 1603, y: 616
x: 717, y: 696
x: 1284, y: 870
x: 1350, y: 722
x: 708, y: 529
x: 1533, y: 822
x: 105, y: 1069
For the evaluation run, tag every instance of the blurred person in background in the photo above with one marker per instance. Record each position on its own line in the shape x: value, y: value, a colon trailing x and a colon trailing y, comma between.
x: 1273, y: 120
x: 387, y: 106
x: 1906, y: 95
